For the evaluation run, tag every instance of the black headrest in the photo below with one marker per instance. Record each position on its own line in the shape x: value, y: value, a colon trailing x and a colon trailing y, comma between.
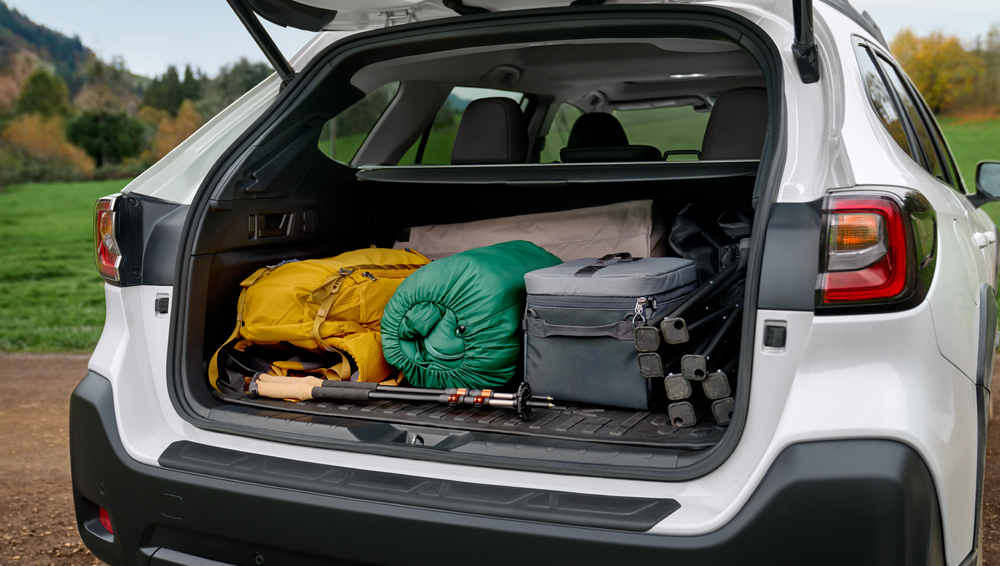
x: 597, y: 130
x: 737, y: 125
x: 492, y: 130
x: 609, y: 154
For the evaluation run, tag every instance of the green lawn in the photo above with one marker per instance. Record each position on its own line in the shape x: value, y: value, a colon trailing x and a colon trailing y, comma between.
x: 971, y: 143
x: 51, y: 297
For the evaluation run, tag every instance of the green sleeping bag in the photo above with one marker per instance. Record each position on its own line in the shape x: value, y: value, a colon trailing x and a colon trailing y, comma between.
x: 456, y: 322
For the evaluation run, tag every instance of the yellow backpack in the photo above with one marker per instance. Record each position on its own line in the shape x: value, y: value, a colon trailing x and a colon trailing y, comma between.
x: 330, y: 305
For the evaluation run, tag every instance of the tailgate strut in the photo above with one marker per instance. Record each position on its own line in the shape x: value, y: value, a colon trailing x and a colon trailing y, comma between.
x: 804, y: 44
x: 264, y: 41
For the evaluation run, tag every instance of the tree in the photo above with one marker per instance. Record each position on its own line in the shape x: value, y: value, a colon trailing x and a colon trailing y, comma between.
x: 231, y: 83
x: 107, y: 88
x: 16, y: 73
x: 165, y: 92
x: 45, y: 141
x: 987, y: 89
x: 938, y: 65
x: 106, y: 137
x: 44, y: 94
x: 173, y: 131
x: 191, y: 87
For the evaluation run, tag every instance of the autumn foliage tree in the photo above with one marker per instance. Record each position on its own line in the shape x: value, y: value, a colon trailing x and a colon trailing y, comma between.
x: 173, y: 131
x: 37, y: 149
x: 937, y: 64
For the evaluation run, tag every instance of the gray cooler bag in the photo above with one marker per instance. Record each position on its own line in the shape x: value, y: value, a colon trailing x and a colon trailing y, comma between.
x: 579, y: 326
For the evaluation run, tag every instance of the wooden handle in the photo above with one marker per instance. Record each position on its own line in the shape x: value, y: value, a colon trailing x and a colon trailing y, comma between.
x: 290, y: 380
x: 284, y: 390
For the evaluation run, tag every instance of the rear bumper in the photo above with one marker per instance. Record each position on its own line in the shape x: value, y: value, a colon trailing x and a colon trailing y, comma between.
x: 833, y: 502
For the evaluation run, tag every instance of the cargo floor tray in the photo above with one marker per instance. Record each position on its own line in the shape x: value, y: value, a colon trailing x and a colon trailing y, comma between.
x: 584, y: 423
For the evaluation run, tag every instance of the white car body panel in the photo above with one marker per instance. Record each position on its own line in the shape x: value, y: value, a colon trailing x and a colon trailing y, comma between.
x: 915, y: 384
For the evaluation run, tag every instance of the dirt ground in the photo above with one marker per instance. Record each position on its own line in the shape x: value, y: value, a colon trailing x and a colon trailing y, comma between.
x: 37, y: 522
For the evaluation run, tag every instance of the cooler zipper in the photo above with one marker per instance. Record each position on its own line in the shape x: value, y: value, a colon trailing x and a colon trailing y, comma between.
x: 641, y: 305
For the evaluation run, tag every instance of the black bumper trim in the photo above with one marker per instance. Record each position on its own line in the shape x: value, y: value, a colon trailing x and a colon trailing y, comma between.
x: 603, y: 512
x: 835, y: 502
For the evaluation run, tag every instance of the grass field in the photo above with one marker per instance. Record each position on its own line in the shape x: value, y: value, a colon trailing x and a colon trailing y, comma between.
x: 51, y: 297
x: 971, y: 143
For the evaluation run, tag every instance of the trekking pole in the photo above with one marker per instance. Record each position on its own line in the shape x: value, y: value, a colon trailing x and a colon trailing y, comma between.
x: 318, y: 382
x: 264, y: 385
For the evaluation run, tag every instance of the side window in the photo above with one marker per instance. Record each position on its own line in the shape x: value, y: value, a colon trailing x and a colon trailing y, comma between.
x: 943, y: 151
x: 341, y: 137
x: 558, y: 135
x: 878, y: 95
x: 435, y: 145
x: 949, y: 160
x: 919, y: 127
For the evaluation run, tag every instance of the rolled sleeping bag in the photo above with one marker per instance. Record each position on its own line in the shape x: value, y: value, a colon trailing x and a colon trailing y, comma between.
x: 456, y: 322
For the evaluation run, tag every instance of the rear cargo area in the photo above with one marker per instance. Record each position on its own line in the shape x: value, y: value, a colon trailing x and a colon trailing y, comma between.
x: 584, y: 431
x: 314, y: 188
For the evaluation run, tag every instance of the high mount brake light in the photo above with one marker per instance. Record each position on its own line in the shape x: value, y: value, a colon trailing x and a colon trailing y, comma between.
x: 107, y: 252
x: 867, y: 253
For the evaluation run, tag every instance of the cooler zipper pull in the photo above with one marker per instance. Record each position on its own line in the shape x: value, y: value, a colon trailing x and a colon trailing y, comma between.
x: 640, y: 306
x: 369, y: 276
x: 644, y: 308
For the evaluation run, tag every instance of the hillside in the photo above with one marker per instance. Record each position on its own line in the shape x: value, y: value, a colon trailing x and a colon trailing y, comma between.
x: 18, y: 34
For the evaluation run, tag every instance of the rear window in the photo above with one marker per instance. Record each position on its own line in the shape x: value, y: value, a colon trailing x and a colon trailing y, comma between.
x: 342, y: 136
x: 666, y: 129
x: 438, y: 140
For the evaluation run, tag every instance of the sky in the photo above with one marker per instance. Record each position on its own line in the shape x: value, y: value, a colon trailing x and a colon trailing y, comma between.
x: 964, y: 18
x: 152, y: 34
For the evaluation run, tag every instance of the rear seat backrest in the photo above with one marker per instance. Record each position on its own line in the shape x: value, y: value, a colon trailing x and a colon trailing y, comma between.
x: 597, y: 129
x: 737, y: 125
x: 492, y: 130
x: 599, y: 136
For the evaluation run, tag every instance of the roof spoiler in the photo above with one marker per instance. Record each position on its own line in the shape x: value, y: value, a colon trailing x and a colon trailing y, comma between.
x: 804, y: 45
x: 264, y: 41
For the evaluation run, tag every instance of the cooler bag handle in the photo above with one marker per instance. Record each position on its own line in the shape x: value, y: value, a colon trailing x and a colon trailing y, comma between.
x: 539, y: 328
x: 593, y: 268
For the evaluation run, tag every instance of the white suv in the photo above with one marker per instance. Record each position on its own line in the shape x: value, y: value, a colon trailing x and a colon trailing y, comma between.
x: 860, y: 394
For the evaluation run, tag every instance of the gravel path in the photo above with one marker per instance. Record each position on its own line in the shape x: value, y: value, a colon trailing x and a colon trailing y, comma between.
x: 37, y: 523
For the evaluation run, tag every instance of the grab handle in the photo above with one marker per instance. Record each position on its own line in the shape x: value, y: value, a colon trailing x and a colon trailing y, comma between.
x: 590, y: 270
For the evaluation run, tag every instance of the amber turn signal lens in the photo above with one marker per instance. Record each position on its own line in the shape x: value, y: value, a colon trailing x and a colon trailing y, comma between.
x: 851, y: 232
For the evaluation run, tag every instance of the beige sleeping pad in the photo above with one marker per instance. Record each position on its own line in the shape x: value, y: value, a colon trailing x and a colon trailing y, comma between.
x: 631, y: 227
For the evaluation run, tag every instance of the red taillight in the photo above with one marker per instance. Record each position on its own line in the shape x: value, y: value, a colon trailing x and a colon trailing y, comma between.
x: 105, y: 519
x: 866, y: 250
x: 107, y: 253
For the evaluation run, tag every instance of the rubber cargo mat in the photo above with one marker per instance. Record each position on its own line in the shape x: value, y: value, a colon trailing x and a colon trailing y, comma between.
x: 589, y: 424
